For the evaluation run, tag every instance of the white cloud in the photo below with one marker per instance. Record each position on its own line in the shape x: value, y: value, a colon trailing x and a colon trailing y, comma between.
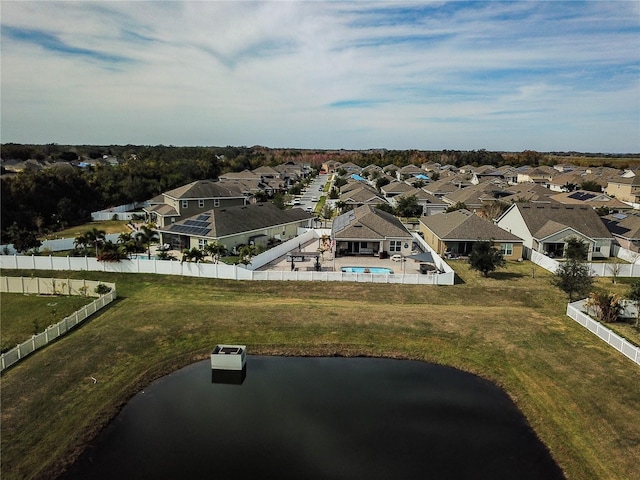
x: 320, y: 75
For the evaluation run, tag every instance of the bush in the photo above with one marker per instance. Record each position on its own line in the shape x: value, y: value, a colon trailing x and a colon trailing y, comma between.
x: 102, y: 289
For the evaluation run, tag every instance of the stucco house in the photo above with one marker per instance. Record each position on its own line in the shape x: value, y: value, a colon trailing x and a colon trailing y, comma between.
x: 454, y: 233
x: 626, y: 189
x: 546, y: 228
x: 253, y: 224
x: 367, y: 230
x: 191, y: 199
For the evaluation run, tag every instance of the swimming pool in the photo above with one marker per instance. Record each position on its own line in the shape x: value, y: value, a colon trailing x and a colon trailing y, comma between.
x: 383, y: 270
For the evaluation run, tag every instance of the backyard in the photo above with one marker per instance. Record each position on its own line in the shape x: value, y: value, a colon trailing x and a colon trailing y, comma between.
x: 580, y: 395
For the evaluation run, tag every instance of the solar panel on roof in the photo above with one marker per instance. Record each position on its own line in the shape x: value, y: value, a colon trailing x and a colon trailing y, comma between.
x: 582, y: 196
x: 619, y: 216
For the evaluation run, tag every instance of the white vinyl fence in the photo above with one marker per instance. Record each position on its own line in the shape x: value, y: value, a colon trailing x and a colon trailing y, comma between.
x: 575, y: 310
x: 52, y: 286
x: 122, y: 212
x: 230, y: 272
x: 211, y: 270
x: 611, y: 269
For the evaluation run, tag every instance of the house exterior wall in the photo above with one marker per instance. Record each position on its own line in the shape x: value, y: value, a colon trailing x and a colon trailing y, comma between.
x: 513, y: 222
x: 623, y: 191
x: 193, y: 205
x: 516, y: 250
x: 432, y: 239
x: 282, y: 232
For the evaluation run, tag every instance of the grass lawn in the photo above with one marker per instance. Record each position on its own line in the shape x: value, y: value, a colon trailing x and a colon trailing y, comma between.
x: 108, y: 226
x: 23, y: 315
x: 580, y: 395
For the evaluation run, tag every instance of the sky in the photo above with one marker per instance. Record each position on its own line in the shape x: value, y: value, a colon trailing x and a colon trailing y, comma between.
x: 501, y: 76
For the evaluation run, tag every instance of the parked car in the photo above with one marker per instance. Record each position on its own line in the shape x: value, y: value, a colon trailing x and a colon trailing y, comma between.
x: 397, y: 258
x: 296, y: 201
x: 314, y: 199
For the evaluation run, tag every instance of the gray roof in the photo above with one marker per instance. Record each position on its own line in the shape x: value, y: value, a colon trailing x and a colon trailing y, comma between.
x: 204, y: 189
x: 464, y: 225
x: 545, y: 220
x: 223, y: 222
x: 367, y: 222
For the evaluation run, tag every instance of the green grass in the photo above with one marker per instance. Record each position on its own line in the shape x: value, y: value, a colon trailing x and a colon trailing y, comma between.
x: 108, y: 226
x: 580, y: 395
x: 23, y: 315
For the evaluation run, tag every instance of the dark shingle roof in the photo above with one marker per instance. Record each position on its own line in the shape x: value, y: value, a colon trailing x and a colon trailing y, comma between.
x: 222, y: 222
x: 204, y: 189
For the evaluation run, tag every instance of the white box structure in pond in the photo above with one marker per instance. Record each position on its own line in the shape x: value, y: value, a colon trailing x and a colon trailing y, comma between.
x: 229, y: 357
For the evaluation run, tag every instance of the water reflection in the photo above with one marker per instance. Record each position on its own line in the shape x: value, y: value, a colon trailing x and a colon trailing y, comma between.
x: 324, y: 418
x: 229, y: 377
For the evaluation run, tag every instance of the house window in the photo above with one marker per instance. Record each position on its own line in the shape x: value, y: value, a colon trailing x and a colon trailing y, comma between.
x: 201, y: 203
x: 596, y: 247
x: 185, y: 203
x: 202, y: 243
x: 395, y: 246
x: 216, y: 202
x: 506, y: 249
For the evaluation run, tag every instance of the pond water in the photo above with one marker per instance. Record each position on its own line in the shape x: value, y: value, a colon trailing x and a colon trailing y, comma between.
x: 319, y: 418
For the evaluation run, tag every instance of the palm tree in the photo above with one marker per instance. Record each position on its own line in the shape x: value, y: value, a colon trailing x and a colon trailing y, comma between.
x: 194, y: 254
x: 216, y: 250
x: 95, y: 238
x: 246, y: 252
x: 146, y: 236
x: 128, y: 244
x: 80, y: 243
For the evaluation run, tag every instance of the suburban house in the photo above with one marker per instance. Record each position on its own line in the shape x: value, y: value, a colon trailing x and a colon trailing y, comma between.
x: 395, y: 188
x: 367, y: 230
x: 454, y: 233
x: 626, y: 189
x: 361, y: 194
x: 259, y: 224
x: 546, y: 228
x: 625, y: 228
x: 591, y: 199
x: 192, y: 199
x: 430, y: 204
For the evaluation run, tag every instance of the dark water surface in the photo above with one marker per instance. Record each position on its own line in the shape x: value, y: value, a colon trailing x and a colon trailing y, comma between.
x: 319, y: 418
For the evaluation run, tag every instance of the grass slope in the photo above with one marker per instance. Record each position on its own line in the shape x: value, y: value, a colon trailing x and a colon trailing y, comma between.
x: 581, y: 396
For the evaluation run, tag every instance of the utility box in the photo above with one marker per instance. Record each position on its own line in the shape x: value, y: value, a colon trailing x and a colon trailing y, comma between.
x: 229, y: 357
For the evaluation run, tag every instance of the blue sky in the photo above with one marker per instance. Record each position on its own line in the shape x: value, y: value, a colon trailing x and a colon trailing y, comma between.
x: 544, y: 75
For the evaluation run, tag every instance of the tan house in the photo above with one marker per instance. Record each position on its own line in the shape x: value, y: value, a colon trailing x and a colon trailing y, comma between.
x: 626, y: 189
x: 367, y: 230
x: 453, y: 234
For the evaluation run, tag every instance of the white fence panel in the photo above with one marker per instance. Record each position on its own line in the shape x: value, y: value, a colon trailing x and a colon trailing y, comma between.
x: 544, y: 261
x: 575, y: 311
x: 215, y: 270
x: 48, y: 286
